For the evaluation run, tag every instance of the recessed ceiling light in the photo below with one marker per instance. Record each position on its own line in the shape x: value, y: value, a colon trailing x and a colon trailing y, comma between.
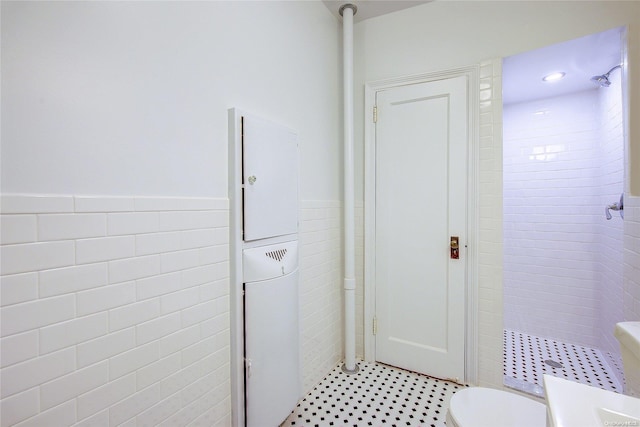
x: 553, y: 77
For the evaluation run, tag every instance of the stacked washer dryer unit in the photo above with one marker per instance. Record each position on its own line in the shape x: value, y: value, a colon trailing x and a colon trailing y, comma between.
x: 264, y: 270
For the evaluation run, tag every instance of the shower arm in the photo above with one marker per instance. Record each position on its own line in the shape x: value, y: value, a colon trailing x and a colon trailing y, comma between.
x: 609, y: 72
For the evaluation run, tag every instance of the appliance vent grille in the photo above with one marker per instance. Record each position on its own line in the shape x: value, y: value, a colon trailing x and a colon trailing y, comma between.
x: 277, y: 255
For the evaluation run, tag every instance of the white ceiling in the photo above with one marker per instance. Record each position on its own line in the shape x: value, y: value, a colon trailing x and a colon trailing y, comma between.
x: 371, y: 8
x: 580, y: 59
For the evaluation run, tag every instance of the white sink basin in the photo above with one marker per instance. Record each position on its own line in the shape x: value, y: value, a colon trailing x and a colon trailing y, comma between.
x: 571, y: 404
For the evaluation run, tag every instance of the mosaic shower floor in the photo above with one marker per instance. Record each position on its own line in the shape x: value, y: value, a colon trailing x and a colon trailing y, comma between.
x: 378, y: 395
x: 527, y: 358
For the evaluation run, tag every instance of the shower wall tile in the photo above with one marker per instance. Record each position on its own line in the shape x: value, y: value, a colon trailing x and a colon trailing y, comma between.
x: 113, y: 308
x: 632, y: 259
x: 581, y: 292
x: 552, y: 210
x: 611, y: 233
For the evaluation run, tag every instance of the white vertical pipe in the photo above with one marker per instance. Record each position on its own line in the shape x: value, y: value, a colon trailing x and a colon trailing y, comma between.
x: 347, y: 11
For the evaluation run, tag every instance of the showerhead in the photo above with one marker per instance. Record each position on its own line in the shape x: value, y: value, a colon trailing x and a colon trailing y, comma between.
x: 603, y: 80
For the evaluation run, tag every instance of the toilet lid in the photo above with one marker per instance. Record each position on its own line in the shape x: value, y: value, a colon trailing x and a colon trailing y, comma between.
x: 485, y: 407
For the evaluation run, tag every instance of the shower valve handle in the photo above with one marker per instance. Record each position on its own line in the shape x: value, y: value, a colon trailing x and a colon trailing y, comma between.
x: 615, y: 207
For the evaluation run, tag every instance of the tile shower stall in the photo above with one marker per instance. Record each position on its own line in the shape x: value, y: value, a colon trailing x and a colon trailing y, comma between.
x: 563, y: 265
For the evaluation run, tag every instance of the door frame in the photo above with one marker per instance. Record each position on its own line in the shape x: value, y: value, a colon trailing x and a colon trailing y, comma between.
x: 472, y: 73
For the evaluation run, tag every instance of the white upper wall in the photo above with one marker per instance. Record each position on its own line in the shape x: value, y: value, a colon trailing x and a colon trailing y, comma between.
x: 447, y: 34
x: 131, y: 98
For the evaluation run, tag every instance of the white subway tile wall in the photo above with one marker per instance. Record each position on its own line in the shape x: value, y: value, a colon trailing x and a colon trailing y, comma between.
x: 632, y: 259
x: 611, y: 233
x: 320, y: 289
x: 115, y: 310
x: 564, y: 162
x: 490, y: 226
x: 553, y: 209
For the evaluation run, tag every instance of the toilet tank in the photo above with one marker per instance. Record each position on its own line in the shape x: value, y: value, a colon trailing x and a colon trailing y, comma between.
x: 628, y: 334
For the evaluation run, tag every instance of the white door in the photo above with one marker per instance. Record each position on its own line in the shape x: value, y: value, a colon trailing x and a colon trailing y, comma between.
x: 420, y: 203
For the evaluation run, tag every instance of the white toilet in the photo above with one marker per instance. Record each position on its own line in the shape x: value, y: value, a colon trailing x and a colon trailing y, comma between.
x: 486, y: 407
x: 628, y: 335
